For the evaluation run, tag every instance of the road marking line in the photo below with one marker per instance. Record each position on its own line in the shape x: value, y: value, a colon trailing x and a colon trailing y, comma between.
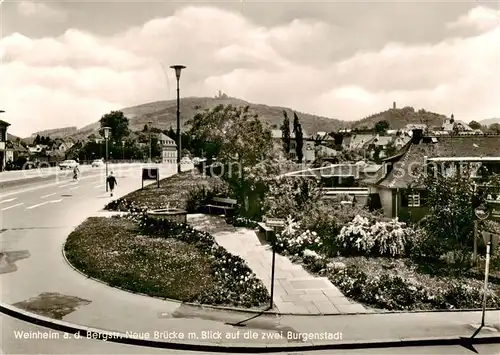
x: 48, y: 195
x: 74, y: 188
x: 43, y: 203
x: 99, y: 186
x: 37, y: 205
x: 8, y: 208
x: 65, y: 185
x: 9, y: 200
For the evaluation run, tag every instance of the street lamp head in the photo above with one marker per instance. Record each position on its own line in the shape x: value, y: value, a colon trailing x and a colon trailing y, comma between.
x: 106, y: 131
x: 178, y: 69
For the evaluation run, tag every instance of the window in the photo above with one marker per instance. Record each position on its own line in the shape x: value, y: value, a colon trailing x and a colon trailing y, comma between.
x: 414, y: 200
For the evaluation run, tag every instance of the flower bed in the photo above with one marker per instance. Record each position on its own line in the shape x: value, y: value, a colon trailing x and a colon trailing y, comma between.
x: 367, y: 271
x: 390, y: 284
x: 163, y: 259
x: 234, y: 280
x: 174, y: 191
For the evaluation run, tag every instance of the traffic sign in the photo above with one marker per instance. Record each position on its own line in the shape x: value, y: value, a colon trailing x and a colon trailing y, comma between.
x: 275, y: 222
x: 482, y: 213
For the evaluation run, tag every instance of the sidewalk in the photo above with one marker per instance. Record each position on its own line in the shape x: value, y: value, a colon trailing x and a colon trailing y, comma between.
x: 295, y: 290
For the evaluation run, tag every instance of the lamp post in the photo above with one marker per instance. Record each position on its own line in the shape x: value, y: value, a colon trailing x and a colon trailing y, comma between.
x: 178, y: 69
x: 3, y: 141
x: 123, y: 150
x: 106, y: 131
x: 149, y: 129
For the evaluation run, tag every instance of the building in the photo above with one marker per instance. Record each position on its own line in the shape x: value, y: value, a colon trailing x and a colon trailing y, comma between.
x: 168, y: 149
x: 397, y: 180
x: 358, y: 141
x: 308, y: 148
x: 343, y: 180
x: 13, y: 150
x: 62, y: 146
x: 3, y: 139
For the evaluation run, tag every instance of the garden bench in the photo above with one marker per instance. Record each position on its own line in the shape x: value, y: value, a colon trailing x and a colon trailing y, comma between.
x: 268, y: 231
x: 220, y: 204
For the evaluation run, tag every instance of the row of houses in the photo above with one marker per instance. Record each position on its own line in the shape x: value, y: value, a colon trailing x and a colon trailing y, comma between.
x: 394, y: 184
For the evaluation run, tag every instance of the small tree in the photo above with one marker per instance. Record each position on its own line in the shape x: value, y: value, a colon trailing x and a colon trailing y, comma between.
x: 285, y: 134
x: 451, y: 199
x: 381, y: 126
x: 238, y: 140
x: 474, y: 125
x: 299, y: 138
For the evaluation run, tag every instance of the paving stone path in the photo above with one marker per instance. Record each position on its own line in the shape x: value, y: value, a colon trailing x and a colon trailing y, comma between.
x: 295, y: 290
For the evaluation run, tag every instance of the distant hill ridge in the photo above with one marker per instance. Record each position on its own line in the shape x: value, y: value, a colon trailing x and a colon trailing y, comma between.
x: 57, y: 132
x: 163, y: 115
x: 398, y: 118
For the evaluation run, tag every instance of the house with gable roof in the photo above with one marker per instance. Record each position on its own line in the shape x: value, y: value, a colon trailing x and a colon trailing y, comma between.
x: 308, y: 147
x: 396, y: 181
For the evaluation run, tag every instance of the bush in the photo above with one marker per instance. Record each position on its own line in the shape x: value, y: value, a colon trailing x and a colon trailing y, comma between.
x: 292, y: 240
x: 393, y: 292
x: 363, y: 237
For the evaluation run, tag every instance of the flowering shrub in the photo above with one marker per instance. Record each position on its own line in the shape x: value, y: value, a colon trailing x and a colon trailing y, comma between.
x: 293, y: 241
x: 235, y: 283
x: 244, y: 222
x: 381, y: 238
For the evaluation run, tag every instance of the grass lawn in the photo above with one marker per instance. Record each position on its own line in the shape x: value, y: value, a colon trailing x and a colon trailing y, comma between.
x: 174, y: 191
x: 174, y: 262
x: 112, y: 250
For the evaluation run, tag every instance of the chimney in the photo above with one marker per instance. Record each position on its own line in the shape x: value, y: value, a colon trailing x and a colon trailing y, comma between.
x: 394, y: 105
x: 416, y: 136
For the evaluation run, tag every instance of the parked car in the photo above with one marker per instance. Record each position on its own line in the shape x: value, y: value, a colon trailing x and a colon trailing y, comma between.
x: 97, y: 163
x: 68, y: 164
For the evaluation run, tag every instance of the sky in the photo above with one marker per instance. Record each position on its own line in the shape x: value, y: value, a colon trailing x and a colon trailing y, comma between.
x: 66, y: 63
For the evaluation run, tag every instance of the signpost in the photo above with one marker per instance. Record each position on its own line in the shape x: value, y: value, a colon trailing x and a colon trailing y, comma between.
x: 150, y: 174
x: 488, y: 211
x: 275, y: 223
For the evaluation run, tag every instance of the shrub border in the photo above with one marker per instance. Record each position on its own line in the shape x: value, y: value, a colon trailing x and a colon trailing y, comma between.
x: 256, y: 311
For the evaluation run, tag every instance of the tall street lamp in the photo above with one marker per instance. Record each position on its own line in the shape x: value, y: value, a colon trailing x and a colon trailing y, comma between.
x: 149, y: 129
x: 106, y: 131
x: 178, y: 69
x: 123, y: 149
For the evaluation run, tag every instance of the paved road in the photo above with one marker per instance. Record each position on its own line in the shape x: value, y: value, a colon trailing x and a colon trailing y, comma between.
x: 34, y: 225
x: 46, y: 172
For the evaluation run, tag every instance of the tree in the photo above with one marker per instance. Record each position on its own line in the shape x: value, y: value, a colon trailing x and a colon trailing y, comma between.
x: 381, y: 126
x: 494, y: 128
x: 118, y: 123
x: 145, y: 128
x: 37, y: 139
x: 451, y: 199
x: 474, y: 125
x: 235, y: 137
x: 235, y: 133
x: 299, y: 137
x: 285, y: 134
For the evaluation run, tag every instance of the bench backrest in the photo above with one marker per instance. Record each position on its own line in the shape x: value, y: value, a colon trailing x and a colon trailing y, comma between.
x: 229, y: 201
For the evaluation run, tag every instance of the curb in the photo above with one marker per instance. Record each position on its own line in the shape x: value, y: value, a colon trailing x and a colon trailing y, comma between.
x: 265, y: 312
x: 82, y: 332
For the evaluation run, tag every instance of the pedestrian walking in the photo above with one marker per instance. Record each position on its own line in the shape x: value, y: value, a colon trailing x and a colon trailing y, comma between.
x: 76, y: 172
x: 111, y: 181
